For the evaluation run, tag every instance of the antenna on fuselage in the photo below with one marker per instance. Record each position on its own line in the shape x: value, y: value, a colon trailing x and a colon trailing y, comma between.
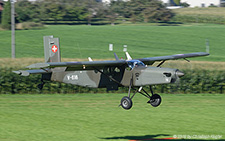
x: 116, y: 57
x: 126, y: 53
x: 89, y: 58
x: 128, y: 56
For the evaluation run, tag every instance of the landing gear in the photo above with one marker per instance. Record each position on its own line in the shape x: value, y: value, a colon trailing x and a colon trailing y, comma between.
x: 41, y: 85
x: 155, y: 100
x: 126, y: 102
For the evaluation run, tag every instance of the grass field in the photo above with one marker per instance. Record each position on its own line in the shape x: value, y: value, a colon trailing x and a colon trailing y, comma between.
x: 142, y: 41
x: 210, y: 11
x: 94, y: 117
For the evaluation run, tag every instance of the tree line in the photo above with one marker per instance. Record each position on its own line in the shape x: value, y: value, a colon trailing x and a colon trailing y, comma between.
x: 87, y: 10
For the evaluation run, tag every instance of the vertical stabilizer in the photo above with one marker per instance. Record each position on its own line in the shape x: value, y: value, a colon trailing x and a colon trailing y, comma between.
x: 52, y: 49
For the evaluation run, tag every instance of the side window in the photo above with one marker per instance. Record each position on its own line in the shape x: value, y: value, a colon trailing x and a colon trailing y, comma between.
x: 108, y: 70
x: 117, y: 69
x: 128, y: 68
x: 130, y: 64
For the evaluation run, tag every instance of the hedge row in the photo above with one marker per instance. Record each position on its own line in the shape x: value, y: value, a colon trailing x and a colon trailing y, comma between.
x: 194, y: 81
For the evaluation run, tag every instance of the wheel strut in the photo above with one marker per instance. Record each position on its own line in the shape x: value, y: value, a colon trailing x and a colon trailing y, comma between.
x: 41, y: 85
x: 126, y: 102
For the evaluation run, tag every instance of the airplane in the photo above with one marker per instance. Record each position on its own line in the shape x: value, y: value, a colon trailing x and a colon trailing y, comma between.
x: 109, y: 74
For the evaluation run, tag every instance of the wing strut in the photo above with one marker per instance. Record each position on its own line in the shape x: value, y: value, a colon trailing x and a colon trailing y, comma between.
x: 161, y: 63
x: 186, y: 60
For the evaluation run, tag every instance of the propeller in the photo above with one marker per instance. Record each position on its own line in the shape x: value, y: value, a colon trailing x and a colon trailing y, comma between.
x: 176, y: 77
x: 179, y: 73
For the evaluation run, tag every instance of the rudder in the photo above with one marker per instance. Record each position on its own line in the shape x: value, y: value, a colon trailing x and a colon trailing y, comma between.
x: 51, y: 49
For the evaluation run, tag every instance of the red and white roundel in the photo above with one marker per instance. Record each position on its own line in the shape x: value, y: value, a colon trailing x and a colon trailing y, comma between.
x: 54, y: 48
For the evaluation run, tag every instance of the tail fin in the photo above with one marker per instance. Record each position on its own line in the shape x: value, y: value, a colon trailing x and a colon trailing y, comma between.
x: 52, y: 50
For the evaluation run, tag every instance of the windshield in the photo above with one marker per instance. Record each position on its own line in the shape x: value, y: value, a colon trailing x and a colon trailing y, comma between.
x: 135, y: 63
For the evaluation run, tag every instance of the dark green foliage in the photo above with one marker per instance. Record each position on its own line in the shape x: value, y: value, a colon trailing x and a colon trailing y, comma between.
x: 184, y: 4
x: 194, y: 81
x: 148, y: 11
x: 27, y: 11
x: 197, y: 81
x: 87, y: 10
x: 56, y: 10
x: 0, y: 16
x: 6, y: 16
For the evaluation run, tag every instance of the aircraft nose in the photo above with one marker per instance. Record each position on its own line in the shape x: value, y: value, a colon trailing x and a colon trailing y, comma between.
x: 179, y: 73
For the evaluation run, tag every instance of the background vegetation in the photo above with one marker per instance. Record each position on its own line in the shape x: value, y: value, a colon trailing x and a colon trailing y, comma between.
x: 88, y: 11
x: 200, y: 77
x: 6, y: 16
x: 194, y: 81
x: 97, y: 13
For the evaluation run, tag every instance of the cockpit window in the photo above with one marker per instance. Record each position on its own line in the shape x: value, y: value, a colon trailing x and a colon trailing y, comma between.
x: 135, y: 63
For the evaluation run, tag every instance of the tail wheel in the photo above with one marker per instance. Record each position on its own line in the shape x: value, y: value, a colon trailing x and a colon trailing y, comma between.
x: 126, y: 103
x: 155, y: 100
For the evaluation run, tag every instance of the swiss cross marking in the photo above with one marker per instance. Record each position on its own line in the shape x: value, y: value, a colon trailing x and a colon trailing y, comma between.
x: 54, y: 48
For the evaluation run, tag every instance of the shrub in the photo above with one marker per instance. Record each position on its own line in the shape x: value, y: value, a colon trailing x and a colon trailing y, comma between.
x: 194, y: 81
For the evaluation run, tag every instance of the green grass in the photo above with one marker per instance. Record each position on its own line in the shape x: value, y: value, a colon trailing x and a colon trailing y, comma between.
x: 142, y: 41
x: 96, y: 117
x: 209, y: 11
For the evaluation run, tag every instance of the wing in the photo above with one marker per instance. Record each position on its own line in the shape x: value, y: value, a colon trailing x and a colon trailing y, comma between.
x: 92, y: 65
x: 151, y: 60
x: 86, y: 65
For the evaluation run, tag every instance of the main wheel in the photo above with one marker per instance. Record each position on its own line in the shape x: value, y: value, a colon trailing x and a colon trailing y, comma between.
x: 126, y: 103
x: 155, y: 100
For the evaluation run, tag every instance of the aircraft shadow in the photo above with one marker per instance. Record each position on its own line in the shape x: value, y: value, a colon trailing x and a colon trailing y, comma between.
x: 154, y: 137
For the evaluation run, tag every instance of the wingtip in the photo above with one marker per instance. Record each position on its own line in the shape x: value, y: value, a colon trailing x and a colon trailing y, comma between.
x: 205, y: 53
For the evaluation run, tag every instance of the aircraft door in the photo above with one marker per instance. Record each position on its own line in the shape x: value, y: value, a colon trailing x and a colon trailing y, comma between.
x: 127, y: 76
x: 115, y: 73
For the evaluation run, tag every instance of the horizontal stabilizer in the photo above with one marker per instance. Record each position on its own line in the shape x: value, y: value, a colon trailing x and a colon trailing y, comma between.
x: 21, y: 72
x: 28, y: 72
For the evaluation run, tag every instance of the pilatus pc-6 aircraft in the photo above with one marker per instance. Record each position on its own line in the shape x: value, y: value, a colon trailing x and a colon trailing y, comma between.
x: 132, y: 73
